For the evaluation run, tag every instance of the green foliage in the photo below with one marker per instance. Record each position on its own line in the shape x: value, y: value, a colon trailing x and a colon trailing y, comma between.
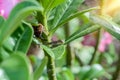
x: 56, y: 52
x: 22, y: 10
x: 21, y: 37
x: 107, y: 24
x: 1, y: 20
x: 48, y: 51
x: 15, y: 37
x: 77, y: 14
x: 65, y: 74
x: 16, y: 67
x: 17, y: 34
x: 64, y: 11
x: 9, y: 44
x: 39, y: 70
x: 50, y: 4
x: 59, y: 51
x: 84, y: 30
x: 3, y: 54
x: 25, y: 39
x: 92, y: 72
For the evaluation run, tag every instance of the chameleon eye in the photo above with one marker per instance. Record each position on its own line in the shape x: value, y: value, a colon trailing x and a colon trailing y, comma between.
x: 38, y: 30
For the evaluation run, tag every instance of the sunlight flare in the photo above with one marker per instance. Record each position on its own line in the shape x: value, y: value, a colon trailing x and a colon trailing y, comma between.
x: 111, y: 6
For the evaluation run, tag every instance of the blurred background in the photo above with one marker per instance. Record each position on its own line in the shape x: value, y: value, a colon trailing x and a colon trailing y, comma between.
x: 103, y: 64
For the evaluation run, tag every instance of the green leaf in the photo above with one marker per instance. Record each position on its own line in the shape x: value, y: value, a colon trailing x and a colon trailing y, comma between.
x: 90, y: 72
x: 50, y: 4
x: 20, y: 40
x: 65, y: 10
x: 21, y: 11
x: 39, y: 70
x: 25, y: 39
x: 16, y: 67
x: 107, y: 24
x: 2, y: 20
x: 48, y: 51
x: 4, y: 54
x: 67, y: 74
x: 11, y: 42
x: 72, y: 17
x: 59, y: 51
x: 3, y: 76
x: 95, y: 71
x: 83, y: 72
x: 84, y: 30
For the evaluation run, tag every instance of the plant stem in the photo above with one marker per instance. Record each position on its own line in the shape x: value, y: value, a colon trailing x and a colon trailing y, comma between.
x: 51, y: 68
x: 117, y: 72
x: 43, y: 20
x: 96, y: 47
x: 68, y: 56
x: 68, y: 48
x: 45, y: 24
x: 51, y: 64
x: 78, y: 58
x: 100, y: 58
x: 99, y: 33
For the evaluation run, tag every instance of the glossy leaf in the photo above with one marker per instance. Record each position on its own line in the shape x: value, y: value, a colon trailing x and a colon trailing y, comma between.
x: 49, y: 4
x: 39, y: 70
x: 25, y: 39
x: 11, y: 42
x: 22, y: 10
x: 59, y: 51
x: 90, y: 72
x: 107, y: 24
x: 48, y: 51
x: 72, y: 17
x: 95, y: 71
x: 16, y: 67
x: 4, y: 54
x: 3, y: 76
x: 83, y: 71
x: 66, y: 74
x: 64, y: 11
x: 84, y: 30
x: 20, y: 40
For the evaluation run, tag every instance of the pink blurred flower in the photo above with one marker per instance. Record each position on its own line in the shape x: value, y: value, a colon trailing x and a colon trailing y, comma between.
x: 90, y: 40
x: 106, y: 40
x: 6, y: 6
